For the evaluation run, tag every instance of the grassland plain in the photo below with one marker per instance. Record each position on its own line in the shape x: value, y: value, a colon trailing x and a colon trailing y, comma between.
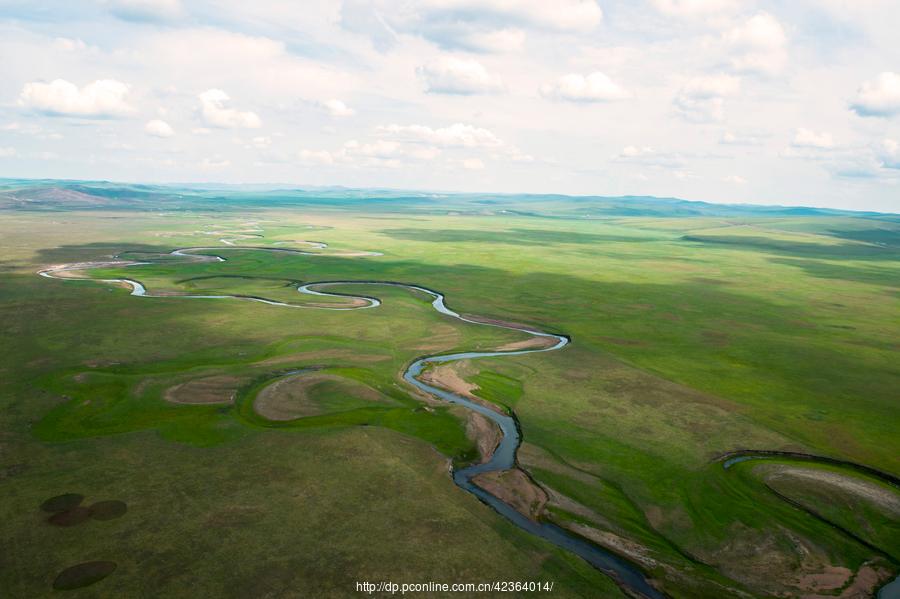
x: 692, y: 337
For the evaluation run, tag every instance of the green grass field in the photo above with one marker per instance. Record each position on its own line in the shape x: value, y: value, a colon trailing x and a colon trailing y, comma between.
x: 691, y: 337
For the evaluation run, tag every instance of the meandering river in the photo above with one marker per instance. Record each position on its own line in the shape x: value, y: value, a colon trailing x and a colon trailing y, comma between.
x: 621, y: 570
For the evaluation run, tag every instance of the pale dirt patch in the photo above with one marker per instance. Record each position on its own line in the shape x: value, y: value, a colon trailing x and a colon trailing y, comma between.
x: 871, y: 491
x: 564, y: 502
x: 515, y: 488
x: 485, y: 433
x: 207, y: 390
x: 867, y: 580
x: 535, y: 342
x: 288, y: 398
x: 615, y: 543
x: 75, y: 271
x: 446, y: 377
x: 829, y: 579
x: 347, y: 302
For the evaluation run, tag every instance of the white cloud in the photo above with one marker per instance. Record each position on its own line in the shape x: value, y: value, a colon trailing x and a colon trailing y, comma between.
x: 596, y: 87
x: 102, y: 98
x: 758, y: 45
x: 146, y: 10
x: 216, y: 113
x: 702, y: 99
x: 889, y: 154
x: 449, y: 75
x: 158, y: 128
x: 337, y: 108
x: 806, y: 138
x: 7, y: 152
x: 880, y: 97
x: 472, y: 164
x: 457, y: 135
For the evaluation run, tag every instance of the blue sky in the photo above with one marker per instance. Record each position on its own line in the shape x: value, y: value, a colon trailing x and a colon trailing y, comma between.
x: 718, y: 100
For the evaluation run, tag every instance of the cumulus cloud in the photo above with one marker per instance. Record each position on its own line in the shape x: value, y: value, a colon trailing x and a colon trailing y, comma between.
x: 216, y: 113
x: 146, y: 10
x: 449, y: 75
x: 102, y: 98
x: 473, y: 164
x: 596, y: 87
x: 158, y: 128
x: 702, y: 99
x: 806, y: 138
x: 880, y: 97
x: 758, y: 45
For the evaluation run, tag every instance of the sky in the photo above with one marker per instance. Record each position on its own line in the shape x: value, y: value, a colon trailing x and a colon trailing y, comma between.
x: 733, y: 101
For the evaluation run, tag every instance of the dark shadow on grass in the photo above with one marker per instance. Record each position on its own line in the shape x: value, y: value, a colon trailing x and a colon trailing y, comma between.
x: 849, y: 251
x: 874, y: 275
x: 94, y: 251
x: 879, y: 236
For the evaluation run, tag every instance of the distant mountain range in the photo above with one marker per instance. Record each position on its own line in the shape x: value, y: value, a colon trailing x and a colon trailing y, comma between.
x: 54, y: 195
